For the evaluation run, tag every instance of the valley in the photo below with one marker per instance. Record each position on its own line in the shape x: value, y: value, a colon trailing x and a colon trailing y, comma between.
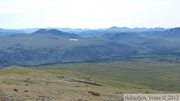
x: 88, y: 65
x: 51, y: 46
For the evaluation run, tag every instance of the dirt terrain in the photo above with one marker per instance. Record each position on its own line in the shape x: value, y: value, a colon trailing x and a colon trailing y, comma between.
x: 22, y: 84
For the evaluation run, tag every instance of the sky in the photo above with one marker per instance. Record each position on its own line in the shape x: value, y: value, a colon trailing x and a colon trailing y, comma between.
x: 18, y: 14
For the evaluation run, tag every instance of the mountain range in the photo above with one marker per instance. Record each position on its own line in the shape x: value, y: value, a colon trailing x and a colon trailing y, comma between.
x: 170, y: 34
x: 79, y: 30
x: 50, y: 46
x: 54, y: 46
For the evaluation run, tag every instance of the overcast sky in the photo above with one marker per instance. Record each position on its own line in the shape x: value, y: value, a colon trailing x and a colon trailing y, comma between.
x: 89, y: 13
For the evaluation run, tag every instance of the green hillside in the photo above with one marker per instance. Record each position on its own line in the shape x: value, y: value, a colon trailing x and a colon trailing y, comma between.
x: 53, y: 46
x: 146, y: 73
x: 23, y: 84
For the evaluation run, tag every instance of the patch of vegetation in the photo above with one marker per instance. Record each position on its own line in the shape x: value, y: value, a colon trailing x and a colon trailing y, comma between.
x: 143, y: 74
x: 94, y: 93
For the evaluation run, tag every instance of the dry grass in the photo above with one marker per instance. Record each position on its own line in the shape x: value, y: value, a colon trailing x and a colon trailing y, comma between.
x: 21, y: 84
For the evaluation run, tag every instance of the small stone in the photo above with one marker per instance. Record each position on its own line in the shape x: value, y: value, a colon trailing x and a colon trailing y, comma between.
x: 15, y: 90
x: 25, y: 90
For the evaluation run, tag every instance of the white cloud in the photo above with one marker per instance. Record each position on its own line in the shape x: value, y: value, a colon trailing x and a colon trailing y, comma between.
x: 89, y: 13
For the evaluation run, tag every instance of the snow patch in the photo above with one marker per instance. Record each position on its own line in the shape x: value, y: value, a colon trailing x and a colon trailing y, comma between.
x: 73, y: 39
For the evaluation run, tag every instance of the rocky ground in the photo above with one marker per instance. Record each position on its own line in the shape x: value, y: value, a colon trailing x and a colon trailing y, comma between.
x: 22, y: 84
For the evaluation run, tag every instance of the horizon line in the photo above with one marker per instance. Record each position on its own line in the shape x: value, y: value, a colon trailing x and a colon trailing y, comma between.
x: 86, y: 28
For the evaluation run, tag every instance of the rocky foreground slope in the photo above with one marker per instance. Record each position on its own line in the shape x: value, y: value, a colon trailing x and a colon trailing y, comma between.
x: 22, y: 84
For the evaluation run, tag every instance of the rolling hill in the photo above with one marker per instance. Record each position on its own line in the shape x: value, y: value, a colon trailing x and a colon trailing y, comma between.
x: 173, y: 33
x: 91, y: 65
x: 54, y: 46
x: 50, y: 46
x: 27, y: 84
x: 146, y: 45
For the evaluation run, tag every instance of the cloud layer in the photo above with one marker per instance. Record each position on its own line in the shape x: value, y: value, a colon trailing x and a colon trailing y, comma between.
x: 89, y: 13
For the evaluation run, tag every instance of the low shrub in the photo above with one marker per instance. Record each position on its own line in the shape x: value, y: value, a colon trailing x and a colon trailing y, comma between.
x: 94, y: 93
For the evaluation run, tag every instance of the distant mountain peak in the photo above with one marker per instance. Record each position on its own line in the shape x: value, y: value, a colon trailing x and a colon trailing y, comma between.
x: 120, y: 29
x: 47, y: 31
x: 114, y: 27
x: 55, y: 32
